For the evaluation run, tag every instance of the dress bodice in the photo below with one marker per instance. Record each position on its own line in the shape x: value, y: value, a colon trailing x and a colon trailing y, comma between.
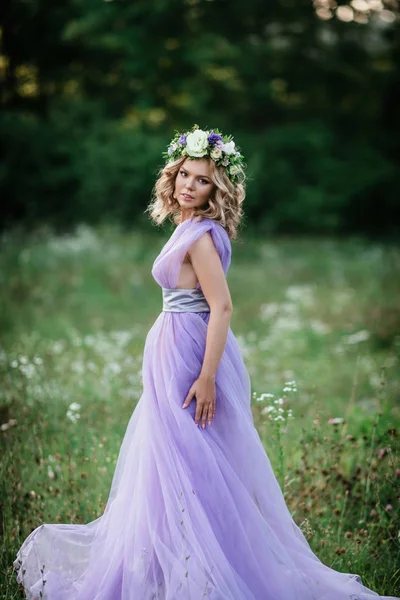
x: 166, y: 267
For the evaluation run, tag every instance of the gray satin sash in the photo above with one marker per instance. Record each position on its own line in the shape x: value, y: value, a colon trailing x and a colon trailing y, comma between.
x: 184, y: 300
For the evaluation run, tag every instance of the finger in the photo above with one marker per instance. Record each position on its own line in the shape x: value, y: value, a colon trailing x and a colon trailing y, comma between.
x: 199, y: 410
x: 210, y: 413
x: 204, y: 417
x: 188, y: 399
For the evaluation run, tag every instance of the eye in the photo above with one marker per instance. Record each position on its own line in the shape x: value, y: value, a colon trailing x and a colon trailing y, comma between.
x: 203, y: 181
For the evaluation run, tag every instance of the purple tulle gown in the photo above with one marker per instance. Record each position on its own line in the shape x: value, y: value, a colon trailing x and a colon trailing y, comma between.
x: 192, y: 513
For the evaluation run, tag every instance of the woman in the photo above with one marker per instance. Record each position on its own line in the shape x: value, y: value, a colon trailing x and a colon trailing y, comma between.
x: 194, y: 510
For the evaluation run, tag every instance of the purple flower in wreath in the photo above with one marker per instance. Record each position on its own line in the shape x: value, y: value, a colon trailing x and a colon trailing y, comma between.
x: 182, y: 140
x: 213, y: 138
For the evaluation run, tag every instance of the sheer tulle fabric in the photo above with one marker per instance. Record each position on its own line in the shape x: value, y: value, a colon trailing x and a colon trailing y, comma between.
x: 192, y: 513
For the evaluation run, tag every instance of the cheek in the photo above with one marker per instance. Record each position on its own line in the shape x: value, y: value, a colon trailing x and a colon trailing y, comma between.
x: 207, y: 191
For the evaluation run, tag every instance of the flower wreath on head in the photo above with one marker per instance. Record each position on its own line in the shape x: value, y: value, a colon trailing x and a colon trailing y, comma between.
x: 198, y: 143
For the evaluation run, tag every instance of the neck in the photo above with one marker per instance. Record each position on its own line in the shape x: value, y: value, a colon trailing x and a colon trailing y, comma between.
x: 186, y: 215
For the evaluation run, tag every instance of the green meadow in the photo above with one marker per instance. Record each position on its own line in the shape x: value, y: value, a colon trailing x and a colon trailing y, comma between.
x: 318, y: 321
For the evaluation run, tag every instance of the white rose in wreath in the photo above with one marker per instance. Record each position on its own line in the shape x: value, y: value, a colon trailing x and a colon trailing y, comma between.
x: 229, y: 147
x: 196, y: 143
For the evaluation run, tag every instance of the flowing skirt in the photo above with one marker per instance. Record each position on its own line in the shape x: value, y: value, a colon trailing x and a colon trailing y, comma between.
x: 192, y: 513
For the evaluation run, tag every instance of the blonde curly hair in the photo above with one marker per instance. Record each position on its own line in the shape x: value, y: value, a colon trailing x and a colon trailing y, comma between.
x: 224, y: 205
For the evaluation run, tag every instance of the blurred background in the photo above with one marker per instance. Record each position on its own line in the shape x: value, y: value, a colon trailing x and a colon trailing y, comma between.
x: 92, y: 93
x: 310, y: 89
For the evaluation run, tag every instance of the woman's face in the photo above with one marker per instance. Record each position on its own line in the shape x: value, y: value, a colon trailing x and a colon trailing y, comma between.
x: 193, y: 185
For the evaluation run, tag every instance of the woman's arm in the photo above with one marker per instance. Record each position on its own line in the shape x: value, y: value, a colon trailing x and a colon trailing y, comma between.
x: 208, y: 268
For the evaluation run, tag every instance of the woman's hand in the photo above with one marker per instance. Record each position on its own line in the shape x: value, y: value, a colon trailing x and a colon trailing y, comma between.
x: 204, y: 390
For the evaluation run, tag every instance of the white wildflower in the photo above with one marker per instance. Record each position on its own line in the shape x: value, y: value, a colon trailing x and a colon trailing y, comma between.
x: 78, y: 367
x: 82, y: 239
x: 320, y: 327
x: 302, y: 294
x: 73, y: 416
x: 113, y: 368
x: 288, y: 323
x: 356, y: 338
x: 9, y: 424
x: 263, y: 396
x: 58, y: 347
x: 268, y: 310
x: 267, y: 410
x: 28, y: 370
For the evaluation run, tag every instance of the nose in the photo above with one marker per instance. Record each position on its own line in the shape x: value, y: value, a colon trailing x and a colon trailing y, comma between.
x: 189, y: 183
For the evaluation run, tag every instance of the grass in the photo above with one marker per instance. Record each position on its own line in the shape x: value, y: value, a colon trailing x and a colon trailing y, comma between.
x: 318, y: 322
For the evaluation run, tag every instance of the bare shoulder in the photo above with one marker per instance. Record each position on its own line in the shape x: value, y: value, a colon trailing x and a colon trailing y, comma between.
x: 204, y: 245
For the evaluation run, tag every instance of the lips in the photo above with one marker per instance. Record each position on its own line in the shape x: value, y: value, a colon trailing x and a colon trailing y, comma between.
x: 187, y: 196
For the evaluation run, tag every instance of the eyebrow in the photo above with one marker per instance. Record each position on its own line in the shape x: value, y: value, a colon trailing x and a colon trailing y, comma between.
x: 204, y: 176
